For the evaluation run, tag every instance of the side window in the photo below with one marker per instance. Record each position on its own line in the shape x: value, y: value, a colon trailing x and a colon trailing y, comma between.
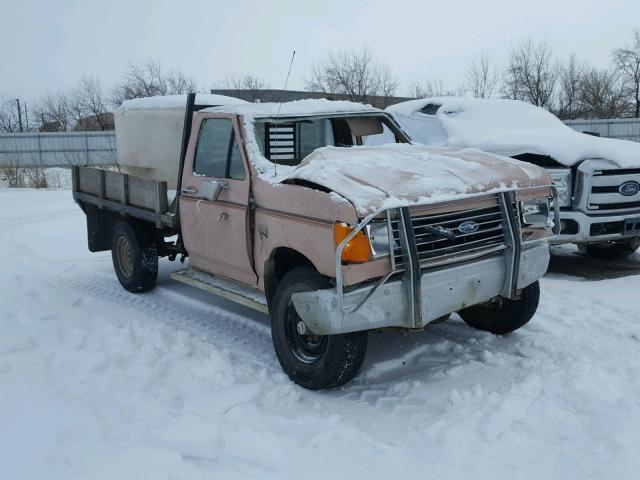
x: 289, y: 143
x: 217, y: 152
x: 383, y: 138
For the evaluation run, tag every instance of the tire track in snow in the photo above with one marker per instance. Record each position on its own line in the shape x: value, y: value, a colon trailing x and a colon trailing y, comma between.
x: 248, y: 339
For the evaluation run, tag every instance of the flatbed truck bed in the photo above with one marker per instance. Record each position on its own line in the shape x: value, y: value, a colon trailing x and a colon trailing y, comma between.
x: 137, y: 197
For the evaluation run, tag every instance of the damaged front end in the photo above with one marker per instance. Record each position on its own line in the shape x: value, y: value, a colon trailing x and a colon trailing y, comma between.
x: 441, y: 257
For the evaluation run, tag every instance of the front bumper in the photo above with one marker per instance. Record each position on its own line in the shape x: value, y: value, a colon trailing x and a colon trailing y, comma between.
x: 443, y: 291
x: 598, y: 210
x: 578, y: 227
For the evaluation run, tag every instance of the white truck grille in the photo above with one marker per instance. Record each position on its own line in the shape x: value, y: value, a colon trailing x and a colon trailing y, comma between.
x: 615, y: 190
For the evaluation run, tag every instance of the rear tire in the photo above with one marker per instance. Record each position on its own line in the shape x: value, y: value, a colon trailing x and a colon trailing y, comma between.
x: 312, y: 361
x: 504, y: 316
x: 614, y: 250
x: 135, y: 258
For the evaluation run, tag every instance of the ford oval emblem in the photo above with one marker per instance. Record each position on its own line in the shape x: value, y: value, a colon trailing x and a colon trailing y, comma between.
x: 629, y: 188
x: 469, y: 227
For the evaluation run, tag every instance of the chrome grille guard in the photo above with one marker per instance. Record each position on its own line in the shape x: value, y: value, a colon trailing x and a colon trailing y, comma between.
x: 412, y: 270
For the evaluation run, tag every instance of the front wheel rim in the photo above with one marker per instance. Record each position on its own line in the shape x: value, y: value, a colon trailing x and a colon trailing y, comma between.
x: 307, y: 348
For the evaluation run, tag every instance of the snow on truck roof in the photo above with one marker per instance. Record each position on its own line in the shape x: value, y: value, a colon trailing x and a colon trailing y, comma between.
x: 178, y: 101
x: 222, y: 103
x: 316, y: 106
x: 507, y: 127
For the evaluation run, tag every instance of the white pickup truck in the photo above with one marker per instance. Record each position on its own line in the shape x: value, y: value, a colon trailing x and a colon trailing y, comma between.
x: 598, y: 179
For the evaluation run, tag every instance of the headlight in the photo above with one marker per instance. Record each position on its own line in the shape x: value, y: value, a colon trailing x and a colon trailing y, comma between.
x: 535, y: 213
x: 562, y: 180
x: 378, y: 233
x: 371, y: 242
x: 535, y: 219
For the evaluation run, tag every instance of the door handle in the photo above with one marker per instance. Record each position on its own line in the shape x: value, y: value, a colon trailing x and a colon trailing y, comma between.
x: 189, y: 190
x: 223, y: 216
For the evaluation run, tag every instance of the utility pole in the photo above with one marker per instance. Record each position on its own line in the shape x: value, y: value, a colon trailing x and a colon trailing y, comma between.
x: 19, y: 114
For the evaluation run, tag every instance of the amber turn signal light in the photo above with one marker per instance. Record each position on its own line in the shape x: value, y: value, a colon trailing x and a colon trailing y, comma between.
x: 358, y: 250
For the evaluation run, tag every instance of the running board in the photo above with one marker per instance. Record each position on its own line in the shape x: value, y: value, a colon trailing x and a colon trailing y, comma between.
x: 238, y: 293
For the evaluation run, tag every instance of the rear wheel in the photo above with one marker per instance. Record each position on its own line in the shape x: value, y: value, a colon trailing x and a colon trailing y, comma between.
x: 503, y: 315
x: 135, y: 258
x: 614, y: 250
x: 312, y: 361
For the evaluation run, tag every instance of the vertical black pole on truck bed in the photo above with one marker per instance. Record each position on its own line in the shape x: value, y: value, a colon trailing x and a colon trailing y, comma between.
x: 186, y: 133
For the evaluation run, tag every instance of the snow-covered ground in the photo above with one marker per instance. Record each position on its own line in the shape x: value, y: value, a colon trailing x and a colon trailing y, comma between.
x: 97, y: 383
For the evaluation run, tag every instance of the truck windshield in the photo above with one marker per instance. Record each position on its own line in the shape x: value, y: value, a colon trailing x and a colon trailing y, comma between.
x: 288, y: 140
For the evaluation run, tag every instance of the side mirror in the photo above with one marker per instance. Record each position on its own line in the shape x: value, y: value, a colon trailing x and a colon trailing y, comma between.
x: 212, y: 189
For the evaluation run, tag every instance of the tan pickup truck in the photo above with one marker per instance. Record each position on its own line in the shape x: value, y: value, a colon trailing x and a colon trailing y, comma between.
x: 325, y: 216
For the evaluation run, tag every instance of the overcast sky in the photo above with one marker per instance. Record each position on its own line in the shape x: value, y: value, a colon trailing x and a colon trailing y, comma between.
x: 48, y: 45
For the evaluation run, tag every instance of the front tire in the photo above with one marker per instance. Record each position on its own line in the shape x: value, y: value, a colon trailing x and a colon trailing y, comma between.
x: 312, y: 361
x: 614, y: 250
x: 135, y: 258
x: 504, y: 316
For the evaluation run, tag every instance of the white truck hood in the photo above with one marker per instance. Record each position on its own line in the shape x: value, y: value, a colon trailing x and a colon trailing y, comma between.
x: 402, y: 174
x: 508, y: 127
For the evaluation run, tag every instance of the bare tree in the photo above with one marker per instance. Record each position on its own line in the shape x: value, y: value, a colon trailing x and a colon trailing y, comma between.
x: 431, y: 87
x: 569, y: 99
x: 387, y: 82
x: 82, y: 107
x: 143, y: 80
x: 603, y: 94
x: 627, y: 63
x: 53, y: 112
x: 9, y: 121
x: 481, y: 77
x: 355, y: 74
x: 148, y: 79
x: 91, y: 103
x: 531, y: 74
x: 177, y: 82
x: 244, y: 81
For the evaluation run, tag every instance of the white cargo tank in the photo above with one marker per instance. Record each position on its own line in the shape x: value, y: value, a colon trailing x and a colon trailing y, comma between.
x: 149, y: 133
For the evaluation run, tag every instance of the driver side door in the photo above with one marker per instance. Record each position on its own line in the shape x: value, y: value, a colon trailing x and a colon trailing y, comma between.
x: 215, y: 230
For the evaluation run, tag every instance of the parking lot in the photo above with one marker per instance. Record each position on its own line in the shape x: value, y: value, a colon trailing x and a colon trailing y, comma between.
x: 178, y: 384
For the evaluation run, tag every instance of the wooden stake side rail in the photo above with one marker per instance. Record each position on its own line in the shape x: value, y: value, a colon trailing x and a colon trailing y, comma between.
x: 141, y: 198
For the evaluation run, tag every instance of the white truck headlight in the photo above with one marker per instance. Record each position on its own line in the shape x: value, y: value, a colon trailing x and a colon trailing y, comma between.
x: 378, y: 233
x: 562, y: 179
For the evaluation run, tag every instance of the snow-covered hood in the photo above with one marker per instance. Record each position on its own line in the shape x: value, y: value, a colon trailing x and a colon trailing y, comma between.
x: 402, y: 174
x: 508, y: 127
